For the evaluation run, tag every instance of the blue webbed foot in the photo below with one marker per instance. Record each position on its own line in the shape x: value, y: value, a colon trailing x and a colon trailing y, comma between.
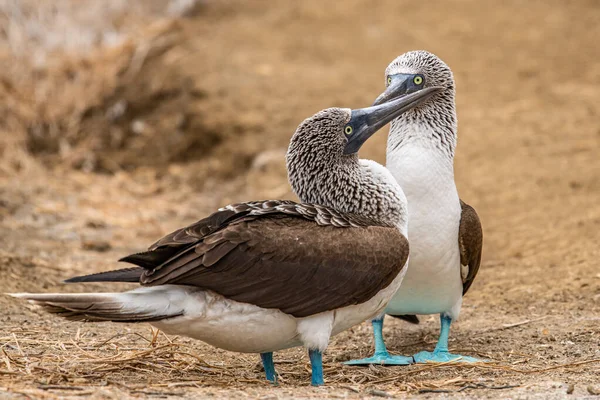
x: 381, y: 356
x: 442, y: 356
x: 441, y: 353
x: 382, y: 359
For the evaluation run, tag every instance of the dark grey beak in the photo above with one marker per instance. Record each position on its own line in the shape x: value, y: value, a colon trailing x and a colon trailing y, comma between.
x: 397, y: 88
x: 400, y: 85
x: 366, y: 121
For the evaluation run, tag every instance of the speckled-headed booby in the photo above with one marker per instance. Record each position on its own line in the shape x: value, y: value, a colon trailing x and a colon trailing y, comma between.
x: 263, y: 276
x: 445, y: 233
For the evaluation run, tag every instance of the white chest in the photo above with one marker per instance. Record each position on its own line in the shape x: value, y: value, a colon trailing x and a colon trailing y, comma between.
x: 432, y: 283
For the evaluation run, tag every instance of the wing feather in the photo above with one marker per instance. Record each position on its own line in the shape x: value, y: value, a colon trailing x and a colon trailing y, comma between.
x: 299, y: 258
x: 307, y: 269
x: 470, y: 240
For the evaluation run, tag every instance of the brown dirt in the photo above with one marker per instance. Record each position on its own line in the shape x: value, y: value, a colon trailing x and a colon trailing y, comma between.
x: 103, y: 152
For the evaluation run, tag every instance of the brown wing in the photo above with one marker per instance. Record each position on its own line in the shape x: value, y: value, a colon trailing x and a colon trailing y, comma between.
x: 470, y: 240
x: 217, y: 220
x: 289, y: 263
x: 175, y: 242
x: 300, y: 258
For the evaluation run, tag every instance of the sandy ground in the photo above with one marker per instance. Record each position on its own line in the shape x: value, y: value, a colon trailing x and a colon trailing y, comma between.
x: 102, y: 153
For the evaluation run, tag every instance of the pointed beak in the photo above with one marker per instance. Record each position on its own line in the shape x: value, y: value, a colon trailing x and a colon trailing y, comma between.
x: 400, y: 85
x: 366, y: 121
x: 397, y: 88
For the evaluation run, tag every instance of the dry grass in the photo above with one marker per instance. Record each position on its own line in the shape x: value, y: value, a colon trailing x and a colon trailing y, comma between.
x: 141, y: 362
x: 111, y: 139
x: 98, y: 88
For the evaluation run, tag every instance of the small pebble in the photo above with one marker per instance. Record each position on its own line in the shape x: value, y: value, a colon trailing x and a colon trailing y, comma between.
x: 570, y: 389
x: 138, y: 126
x: 593, y: 390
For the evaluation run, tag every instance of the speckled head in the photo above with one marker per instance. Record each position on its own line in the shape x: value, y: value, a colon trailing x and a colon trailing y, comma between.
x: 320, y: 171
x: 320, y: 139
x: 432, y: 122
x: 425, y: 69
x: 334, y: 135
x: 323, y: 166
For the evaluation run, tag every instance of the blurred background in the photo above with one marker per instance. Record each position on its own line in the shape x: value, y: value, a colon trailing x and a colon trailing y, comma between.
x: 123, y: 120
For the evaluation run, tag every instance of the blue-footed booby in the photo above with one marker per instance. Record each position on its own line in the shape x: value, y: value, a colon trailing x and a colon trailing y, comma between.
x: 263, y: 276
x: 445, y: 234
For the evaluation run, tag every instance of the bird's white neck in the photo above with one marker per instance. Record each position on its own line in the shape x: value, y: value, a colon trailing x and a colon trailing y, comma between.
x: 420, y: 161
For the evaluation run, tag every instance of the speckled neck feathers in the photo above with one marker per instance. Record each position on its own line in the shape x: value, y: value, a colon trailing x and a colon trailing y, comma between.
x: 320, y: 173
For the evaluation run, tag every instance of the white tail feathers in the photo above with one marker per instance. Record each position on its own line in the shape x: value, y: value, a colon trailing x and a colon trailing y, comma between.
x: 140, y: 305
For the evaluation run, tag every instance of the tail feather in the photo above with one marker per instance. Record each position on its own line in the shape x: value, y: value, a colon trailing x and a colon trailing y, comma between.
x: 413, y: 319
x: 119, y: 275
x: 152, y: 258
x: 141, y: 305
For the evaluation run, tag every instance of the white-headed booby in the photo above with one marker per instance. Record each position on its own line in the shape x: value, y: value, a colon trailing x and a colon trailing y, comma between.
x: 445, y: 233
x: 268, y: 275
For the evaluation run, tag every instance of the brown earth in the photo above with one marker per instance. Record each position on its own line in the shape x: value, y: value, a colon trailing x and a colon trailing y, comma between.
x: 104, y: 151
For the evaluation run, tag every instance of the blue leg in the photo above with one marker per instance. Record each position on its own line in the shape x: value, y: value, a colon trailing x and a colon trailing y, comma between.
x: 316, y: 362
x: 381, y: 355
x: 267, y: 360
x: 441, y: 353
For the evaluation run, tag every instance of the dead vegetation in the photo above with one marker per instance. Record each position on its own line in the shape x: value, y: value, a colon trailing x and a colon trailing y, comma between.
x: 124, y: 120
x: 104, y: 98
x: 142, y: 362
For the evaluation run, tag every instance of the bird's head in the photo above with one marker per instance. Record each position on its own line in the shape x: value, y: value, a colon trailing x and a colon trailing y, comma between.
x: 322, y: 161
x: 433, y: 121
x: 337, y: 133
x: 414, y: 71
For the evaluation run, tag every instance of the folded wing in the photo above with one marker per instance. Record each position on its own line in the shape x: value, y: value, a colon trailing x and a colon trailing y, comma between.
x: 298, y: 258
x: 470, y: 240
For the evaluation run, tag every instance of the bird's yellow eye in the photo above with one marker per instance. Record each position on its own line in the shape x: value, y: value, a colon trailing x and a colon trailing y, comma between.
x: 418, y: 80
x: 389, y: 80
x: 348, y: 130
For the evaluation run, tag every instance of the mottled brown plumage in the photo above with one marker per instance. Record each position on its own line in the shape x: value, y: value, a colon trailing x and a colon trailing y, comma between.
x: 271, y: 254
